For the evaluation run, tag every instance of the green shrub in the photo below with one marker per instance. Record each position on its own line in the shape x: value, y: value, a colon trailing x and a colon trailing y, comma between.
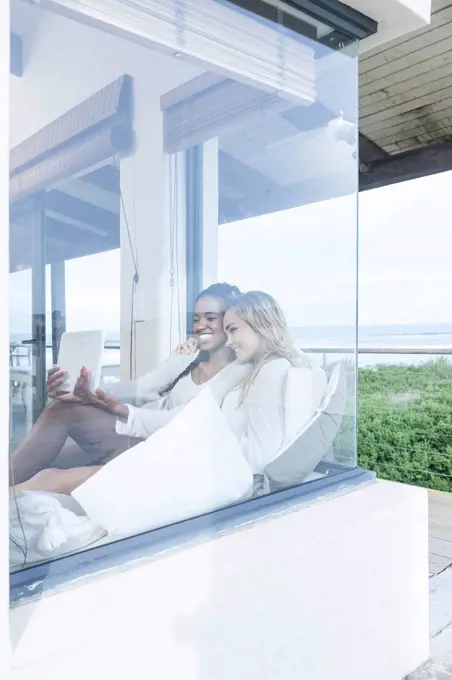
x: 405, y: 423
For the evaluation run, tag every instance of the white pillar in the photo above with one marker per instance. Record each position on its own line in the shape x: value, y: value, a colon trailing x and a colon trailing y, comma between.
x: 4, y: 336
x: 142, y: 186
x: 152, y: 210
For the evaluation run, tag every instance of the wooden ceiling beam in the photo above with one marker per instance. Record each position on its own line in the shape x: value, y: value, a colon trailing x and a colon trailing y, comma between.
x: 87, y: 213
x: 369, y: 151
x: 405, y: 166
x: 106, y: 178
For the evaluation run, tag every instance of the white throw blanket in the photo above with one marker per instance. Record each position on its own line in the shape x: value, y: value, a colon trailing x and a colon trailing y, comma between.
x: 46, y: 525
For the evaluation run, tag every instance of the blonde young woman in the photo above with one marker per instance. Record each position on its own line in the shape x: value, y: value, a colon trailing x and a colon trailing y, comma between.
x: 257, y: 333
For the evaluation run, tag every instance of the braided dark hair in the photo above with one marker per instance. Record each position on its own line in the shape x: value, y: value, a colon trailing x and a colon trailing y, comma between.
x: 228, y: 295
x: 225, y: 292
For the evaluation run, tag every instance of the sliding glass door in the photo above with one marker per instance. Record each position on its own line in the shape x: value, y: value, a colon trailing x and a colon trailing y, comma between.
x: 27, y: 294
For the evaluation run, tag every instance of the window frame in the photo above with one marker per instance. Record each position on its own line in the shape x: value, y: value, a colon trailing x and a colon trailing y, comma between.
x: 36, y: 206
x: 194, y: 228
x: 339, y: 16
x: 348, y: 24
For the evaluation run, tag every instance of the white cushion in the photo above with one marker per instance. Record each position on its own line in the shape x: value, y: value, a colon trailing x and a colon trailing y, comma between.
x: 45, y: 525
x: 305, y: 388
x: 300, y: 457
x: 190, y: 467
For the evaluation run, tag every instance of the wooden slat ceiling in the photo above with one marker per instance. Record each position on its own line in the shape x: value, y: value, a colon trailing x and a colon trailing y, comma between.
x: 406, y: 87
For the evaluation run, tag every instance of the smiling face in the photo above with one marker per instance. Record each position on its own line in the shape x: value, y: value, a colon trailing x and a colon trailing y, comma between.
x: 208, y: 324
x: 242, y: 339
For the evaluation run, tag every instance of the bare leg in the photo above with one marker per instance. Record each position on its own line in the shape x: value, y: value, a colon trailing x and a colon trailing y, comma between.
x: 72, y: 455
x: 57, y: 481
x: 93, y: 430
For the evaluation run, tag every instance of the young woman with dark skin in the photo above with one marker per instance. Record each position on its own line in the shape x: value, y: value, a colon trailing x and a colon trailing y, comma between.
x: 101, y: 425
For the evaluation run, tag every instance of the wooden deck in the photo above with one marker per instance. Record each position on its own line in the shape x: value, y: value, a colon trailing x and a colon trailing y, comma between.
x: 440, y: 531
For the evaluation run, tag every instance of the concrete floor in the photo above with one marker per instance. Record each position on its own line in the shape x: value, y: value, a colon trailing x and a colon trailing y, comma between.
x: 440, y: 560
x: 440, y: 531
x: 440, y: 665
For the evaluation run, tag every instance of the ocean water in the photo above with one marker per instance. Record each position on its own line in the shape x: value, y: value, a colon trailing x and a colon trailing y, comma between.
x: 432, y: 338
x: 341, y: 339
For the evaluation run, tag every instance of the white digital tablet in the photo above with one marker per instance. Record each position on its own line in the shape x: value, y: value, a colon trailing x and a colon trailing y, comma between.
x: 78, y: 349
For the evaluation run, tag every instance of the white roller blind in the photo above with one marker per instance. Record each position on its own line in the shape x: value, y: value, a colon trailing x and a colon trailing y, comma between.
x: 214, y: 111
x: 218, y: 35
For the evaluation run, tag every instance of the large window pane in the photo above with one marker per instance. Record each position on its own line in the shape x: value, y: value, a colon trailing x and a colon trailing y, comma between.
x: 217, y: 256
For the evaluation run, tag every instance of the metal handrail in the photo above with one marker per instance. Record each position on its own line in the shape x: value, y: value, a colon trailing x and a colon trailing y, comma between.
x: 351, y: 350
x: 379, y: 350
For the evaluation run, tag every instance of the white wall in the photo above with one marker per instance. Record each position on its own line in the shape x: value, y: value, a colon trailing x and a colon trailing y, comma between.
x: 68, y: 62
x: 338, y: 589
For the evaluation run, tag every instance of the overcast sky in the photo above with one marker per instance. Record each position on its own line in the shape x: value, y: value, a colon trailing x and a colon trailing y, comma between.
x: 305, y: 258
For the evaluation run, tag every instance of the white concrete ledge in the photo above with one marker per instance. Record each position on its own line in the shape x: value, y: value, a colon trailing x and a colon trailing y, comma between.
x: 337, y: 589
x: 395, y: 18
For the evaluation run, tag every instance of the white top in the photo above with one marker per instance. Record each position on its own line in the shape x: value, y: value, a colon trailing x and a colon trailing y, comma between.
x: 150, y: 387
x: 143, y: 419
x: 257, y: 422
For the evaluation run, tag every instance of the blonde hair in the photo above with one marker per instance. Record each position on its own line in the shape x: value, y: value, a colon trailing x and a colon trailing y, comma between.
x: 261, y: 311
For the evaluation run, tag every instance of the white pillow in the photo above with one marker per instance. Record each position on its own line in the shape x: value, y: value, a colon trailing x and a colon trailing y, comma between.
x: 304, y: 391
x: 300, y: 458
x: 190, y: 467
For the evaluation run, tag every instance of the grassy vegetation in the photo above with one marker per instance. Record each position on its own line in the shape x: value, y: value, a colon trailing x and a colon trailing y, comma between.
x: 405, y: 423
